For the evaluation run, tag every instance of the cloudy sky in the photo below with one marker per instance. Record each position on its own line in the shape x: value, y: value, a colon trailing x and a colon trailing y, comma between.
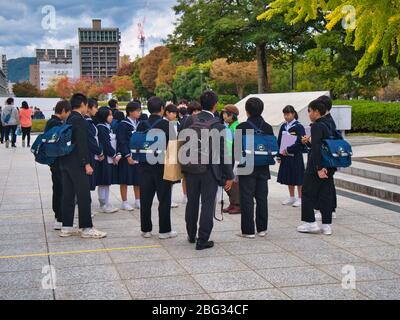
x: 23, y: 26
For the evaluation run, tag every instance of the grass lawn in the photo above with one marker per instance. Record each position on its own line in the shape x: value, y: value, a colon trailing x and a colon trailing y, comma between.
x: 375, y: 134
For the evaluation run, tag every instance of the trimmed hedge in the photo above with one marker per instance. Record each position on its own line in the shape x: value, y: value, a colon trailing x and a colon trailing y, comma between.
x: 38, y: 125
x: 372, y: 116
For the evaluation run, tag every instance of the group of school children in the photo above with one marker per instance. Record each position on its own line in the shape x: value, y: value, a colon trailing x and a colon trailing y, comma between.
x: 102, y: 157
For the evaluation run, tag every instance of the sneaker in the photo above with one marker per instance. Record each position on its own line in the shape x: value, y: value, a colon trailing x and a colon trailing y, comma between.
x: 93, y: 214
x: 168, y: 235
x: 309, y: 228
x: 262, y: 234
x: 108, y: 209
x: 333, y: 215
x: 318, y: 216
x: 204, y: 245
x: 126, y: 206
x: 92, y: 233
x: 289, y: 202
x: 69, y: 232
x: 57, y: 225
x: 297, y: 203
x: 174, y: 205
x: 247, y: 236
x: 326, y: 229
x: 146, y: 235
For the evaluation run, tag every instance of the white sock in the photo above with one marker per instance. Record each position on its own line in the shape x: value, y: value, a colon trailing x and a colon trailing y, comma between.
x: 101, y: 194
x: 107, y: 195
x: 137, y: 201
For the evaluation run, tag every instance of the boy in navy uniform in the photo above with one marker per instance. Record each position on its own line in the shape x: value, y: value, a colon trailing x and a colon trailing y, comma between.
x: 75, y: 169
x: 151, y: 179
x: 61, y: 113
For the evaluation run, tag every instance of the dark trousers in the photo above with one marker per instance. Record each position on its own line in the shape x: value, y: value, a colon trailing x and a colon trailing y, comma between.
x: 10, y: 130
x: 75, y: 183
x: 56, y: 177
x: 317, y: 193
x: 254, y: 186
x: 152, y: 183
x: 1, y: 133
x: 204, y: 186
x: 26, y: 133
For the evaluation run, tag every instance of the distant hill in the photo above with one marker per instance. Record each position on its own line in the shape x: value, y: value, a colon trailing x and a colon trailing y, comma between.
x: 18, y: 69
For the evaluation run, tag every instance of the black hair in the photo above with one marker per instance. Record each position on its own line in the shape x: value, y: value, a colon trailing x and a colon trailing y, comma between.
x: 113, y: 103
x: 327, y: 102
x: 132, y: 106
x: 183, y: 101
x: 291, y: 109
x: 24, y: 105
x: 254, y: 107
x: 77, y: 99
x: 10, y: 101
x: 92, y: 103
x: 143, y: 117
x: 183, y: 111
x: 155, y: 104
x: 193, y: 106
x: 208, y: 100
x: 318, y: 105
x: 171, y: 108
x: 102, y: 114
x: 62, y: 105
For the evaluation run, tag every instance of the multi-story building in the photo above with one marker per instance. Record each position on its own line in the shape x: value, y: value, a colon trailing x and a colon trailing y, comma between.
x: 99, y: 50
x: 49, y: 71
x: 56, y: 56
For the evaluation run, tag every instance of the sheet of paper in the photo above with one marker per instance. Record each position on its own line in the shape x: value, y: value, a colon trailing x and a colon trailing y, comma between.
x: 308, y: 131
x: 287, y: 141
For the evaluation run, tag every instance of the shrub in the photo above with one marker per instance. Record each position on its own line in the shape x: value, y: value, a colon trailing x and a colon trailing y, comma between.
x: 38, y: 125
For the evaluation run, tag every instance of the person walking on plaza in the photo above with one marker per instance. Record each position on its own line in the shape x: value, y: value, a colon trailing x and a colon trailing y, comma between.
x: 318, y: 188
x: 75, y: 168
x: 1, y: 128
x: 25, y: 118
x: 152, y: 178
x: 291, y: 169
x: 202, y: 183
x: 10, y: 121
x: 254, y: 185
x: 61, y: 113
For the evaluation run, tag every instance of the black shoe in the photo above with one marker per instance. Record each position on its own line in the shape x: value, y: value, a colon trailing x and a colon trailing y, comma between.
x: 192, y: 240
x: 204, y: 245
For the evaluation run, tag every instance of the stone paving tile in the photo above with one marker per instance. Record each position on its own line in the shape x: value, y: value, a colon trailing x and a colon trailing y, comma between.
x: 391, y: 238
x: 86, y: 274
x: 322, y: 292
x: 149, y: 269
x: 272, y: 260
x: 266, y: 294
x: 76, y: 260
x: 250, y: 245
x: 380, y: 253
x: 212, y: 264
x: 115, y: 290
x: 23, y: 264
x: 354, y: 241
x: 381, y: 290
x: 377, y: 227
x: 21, y: 280
x: 140, y: 255
x: 328, y: 256
x: 26, y: 294
x: 185, y: 298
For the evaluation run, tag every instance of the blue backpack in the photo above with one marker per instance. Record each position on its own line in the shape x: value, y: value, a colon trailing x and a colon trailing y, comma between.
x: 335, y: 151
x: 141, y: 144
x: 265, y: 147
x: 55, y: 143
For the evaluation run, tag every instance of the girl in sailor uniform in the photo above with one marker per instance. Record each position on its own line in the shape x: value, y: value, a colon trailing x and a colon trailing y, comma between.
x: 291, y: 170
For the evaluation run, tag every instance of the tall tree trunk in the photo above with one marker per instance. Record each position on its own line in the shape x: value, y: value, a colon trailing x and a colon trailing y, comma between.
x: 262, y: 68
x: 240, y: 91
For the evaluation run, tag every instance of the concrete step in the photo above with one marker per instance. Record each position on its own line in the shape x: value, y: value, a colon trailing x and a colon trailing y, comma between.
x: 382, y: 190
x: 374, y: 172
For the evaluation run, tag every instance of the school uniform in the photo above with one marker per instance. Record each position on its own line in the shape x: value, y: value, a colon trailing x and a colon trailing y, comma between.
x: 331, y: 122
x: 254, y: 185
x: 75, y: 181
x: 127, y: 174
x: 107, y: 172
x: 291, y: 170
x: 317, y: 193
x: 94, y: 149
x: 56, y: 176
x: 204, y: 186
x: 151, y: 182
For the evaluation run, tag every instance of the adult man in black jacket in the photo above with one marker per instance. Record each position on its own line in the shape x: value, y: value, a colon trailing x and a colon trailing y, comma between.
x: 151, y: 179
x: 254, y: 185
x: 205, y: 185
x: 75, y: 168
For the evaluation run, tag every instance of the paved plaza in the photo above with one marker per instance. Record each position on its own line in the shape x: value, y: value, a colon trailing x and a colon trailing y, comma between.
x: 284, y: 265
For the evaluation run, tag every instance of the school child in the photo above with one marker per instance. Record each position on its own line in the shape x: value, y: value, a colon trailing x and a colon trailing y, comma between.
x: 127, y: 167
x: 95, y: 151
x: 230, y: 114
x: 107, y: 170
x: 254, y: 185
x: 61, y: 113
x: 291, y: 169
x: 25, y: 119
x: 151, y: 179
x: 318, y: 187
x: 75, y: 168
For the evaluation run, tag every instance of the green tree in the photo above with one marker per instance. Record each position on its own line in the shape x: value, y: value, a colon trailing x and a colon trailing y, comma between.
x: 165, y: 92
x: 25, y: 89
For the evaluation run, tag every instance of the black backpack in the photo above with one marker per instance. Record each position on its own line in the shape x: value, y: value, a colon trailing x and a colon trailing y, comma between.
x: 197, y: 126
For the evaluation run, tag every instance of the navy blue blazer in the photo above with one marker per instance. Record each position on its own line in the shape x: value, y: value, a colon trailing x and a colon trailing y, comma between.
x: 105, y: 140
x: 124, y: 134
x: 94, y: 146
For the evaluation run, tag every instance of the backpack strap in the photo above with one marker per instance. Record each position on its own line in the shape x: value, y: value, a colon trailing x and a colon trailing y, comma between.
x: 331, y: 134
x: 256, y: 129
x: 151, y: 126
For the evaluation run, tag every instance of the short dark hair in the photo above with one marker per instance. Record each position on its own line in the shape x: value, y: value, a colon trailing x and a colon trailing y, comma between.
x: 62, y: 105
x: 254, y: 107
x: 155, y: 104
x: 193, y: 106
x: 24, y: 105
x: 132, y: 106
x: 291, y: 109
x: 92, y: 103
x: 327, y: 102
x: 113, y: 103
x: 208, y: 100
x: 102, y: 114
x: 318, y: 105
x: 171, y: 108
x: 183, y: 101
x: 10, y: 101
x: 77, y: 99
